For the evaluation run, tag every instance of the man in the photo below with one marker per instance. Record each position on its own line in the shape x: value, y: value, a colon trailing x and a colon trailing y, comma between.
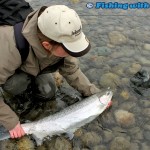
x: 55, y: 35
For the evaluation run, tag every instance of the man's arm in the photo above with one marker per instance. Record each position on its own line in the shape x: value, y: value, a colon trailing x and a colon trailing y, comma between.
x: 8, y: 118
x: 76, y: 78
x: 10, y: 121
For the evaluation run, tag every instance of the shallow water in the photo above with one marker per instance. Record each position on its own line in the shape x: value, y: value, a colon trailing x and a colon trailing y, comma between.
x: 120, y: 42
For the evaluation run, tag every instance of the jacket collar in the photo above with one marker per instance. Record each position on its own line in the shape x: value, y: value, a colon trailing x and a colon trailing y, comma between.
x: 30, y: 33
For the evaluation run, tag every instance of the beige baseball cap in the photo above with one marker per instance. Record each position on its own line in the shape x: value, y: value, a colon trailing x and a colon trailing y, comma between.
x: 63, y: 25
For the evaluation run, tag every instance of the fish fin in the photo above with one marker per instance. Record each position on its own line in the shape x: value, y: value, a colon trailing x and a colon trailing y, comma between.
x: 39, y: 138
x: 70, y: 134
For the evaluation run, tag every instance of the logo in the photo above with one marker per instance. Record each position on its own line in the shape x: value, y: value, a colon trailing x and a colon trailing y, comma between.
x: 76, y: 32
x: 89, y: 5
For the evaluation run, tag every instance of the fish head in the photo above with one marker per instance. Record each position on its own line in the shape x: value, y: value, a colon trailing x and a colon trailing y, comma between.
x: 105, y: 98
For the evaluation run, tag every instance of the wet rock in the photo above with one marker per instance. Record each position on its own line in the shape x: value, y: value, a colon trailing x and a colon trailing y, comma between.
x: 120, y: 143
x: 136, y: 133
x: 91, y: 138
x: 107, y: 118
x: 147, y: 46
x: 135, y: 146
x: 140, y: 77
x: 125, y: 95
x: 110, y: 45
x: 118, y: 28
x: 108, y: 136
x: 83, y: 67
x: 117, y: 38
x: 128, y: 105
x: 146, y: 112
x: 120, y: 132
x: 25, y: 144
x: 93, y: 74
x: 124, y: 118
x: 94, y: 126
x: 102, y: 51
x: 125, y: 81
x: 118, y: 129
x: 134, y: 68
x: 142, y: 60
x: 76, y: 148
x: 147, y: 135
x: 60, y: 143
x: 42, y: 147
x: 98, y: 60
x: 147, y: 126
x: 117, y: 55
x: 100, y: 147
x: 145, y: 146
x: 110, y: 80
x: 118, y: 70
x: 78, y: 133
x: 34, y: 114
x: 84, y: 21
x: 125, y: 54
x: 136, y: 35
x: 75, y: 1
x: 145, y: 103
x: 8, y: 145
x: 131, y: 42
x: 102, y: 43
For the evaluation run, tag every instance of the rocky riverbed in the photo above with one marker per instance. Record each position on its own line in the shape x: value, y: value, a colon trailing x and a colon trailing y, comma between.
x: 120, y: 42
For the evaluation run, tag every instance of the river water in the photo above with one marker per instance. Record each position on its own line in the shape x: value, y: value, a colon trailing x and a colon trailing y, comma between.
x: 120, y: 40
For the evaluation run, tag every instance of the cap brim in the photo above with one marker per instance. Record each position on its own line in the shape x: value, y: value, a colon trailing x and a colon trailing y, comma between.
x: 77, y: 48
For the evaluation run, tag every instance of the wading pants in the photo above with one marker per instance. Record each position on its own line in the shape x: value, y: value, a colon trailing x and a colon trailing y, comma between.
x: 43, y: 86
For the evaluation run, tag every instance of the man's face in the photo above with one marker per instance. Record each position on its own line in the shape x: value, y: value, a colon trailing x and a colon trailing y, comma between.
x: 56, y: 50
x: 59, y: 51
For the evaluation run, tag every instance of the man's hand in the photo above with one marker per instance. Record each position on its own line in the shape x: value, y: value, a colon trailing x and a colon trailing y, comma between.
x: 17, y: 132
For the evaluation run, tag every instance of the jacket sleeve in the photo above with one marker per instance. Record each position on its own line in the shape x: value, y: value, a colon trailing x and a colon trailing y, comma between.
x: 8, y: 118
x: 75, y: 77
x: 10, y: 60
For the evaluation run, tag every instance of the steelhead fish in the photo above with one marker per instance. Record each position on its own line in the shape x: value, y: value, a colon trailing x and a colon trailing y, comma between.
x: 69, y: 119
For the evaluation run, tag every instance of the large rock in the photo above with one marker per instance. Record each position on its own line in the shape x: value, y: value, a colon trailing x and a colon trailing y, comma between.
x: 120, y: 143
x: 59, y: 143
x: 117, y: 38
x: 124, y: 118
x: 91, y: 138
x: 110, y: 80
x: 25, y: 144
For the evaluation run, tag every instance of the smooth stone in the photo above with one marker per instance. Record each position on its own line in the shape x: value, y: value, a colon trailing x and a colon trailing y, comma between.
x: 125, y: 95
x: 100, y: 147
x: 108, y: 136
x: 60, y: 143
x: 25, y: 144
x: 117, y: 38
x: 136, y: 133
x: 145, y: 103
x: 120, y: 143
x: 147, y: 135
x: 147, y: 46
x: 145, y: 146
x: 146, y: 112
x: 135, y: 146
x: 110, y: 80
x: 91, y: 138
x: 124, y: 118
